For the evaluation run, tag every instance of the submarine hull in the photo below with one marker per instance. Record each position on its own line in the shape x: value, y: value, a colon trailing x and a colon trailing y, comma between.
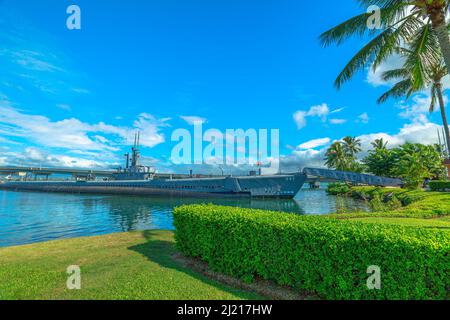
x: 279, y: 186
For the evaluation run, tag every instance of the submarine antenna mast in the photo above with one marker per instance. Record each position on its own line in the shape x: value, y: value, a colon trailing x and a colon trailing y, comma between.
x: 138, y: 138
x: 137, y: 151
x: 127, y: 158
x: 133, y: 152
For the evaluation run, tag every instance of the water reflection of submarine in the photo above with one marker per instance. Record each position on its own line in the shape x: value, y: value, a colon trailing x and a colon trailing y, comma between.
x: 131, y: 211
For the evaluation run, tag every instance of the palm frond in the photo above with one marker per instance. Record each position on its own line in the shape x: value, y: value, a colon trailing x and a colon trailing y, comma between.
x: 378, y: 49
x: 395, y: 74
x: 357, y: 26
x: 399, y: 90
x: 422, y: 54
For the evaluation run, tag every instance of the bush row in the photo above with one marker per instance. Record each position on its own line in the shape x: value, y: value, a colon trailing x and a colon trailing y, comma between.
x: 440, y: 185
x: 324, y: 256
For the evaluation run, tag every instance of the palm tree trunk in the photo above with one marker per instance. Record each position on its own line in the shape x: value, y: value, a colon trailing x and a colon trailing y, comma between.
x: 443, y: 114
x: 437, y: 17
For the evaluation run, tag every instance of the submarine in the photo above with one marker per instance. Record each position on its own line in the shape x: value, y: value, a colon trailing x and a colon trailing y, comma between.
x: 136, y: 179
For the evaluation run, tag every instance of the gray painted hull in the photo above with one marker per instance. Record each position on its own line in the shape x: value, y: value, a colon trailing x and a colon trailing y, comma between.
x: 279, y: 186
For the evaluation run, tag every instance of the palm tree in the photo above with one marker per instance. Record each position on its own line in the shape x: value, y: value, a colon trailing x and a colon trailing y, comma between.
x: 400, y: 21
x: 420, y: 72
x: 352, y: 146
x: 413, y: 172
x: 379, y: 144
x: 436, y: 11
x: 437, y: 94
x: 379, y: 161
x: 417, y: 162
x: 336, y: 157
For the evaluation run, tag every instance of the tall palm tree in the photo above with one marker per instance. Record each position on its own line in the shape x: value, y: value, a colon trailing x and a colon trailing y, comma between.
x: 400, y: 21
x: 379, y: 144
x: 410, y: 81
x: 352, y: 146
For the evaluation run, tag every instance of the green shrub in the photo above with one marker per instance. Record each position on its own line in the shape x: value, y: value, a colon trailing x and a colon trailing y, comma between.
x: 440, y: 185
x: 377, y: 204
x: 415, y: 203
x: 325, y: 256
x: 394, y: 203
x: 338, y: 188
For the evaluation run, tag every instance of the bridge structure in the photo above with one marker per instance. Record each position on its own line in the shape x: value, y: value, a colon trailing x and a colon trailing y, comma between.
x: 352, y: 177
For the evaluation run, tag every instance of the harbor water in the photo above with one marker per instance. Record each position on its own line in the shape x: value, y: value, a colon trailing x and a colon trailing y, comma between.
x: 28, y: 217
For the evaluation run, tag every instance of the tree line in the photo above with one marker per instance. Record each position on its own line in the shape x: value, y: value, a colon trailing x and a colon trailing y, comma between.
x: 412, y: 162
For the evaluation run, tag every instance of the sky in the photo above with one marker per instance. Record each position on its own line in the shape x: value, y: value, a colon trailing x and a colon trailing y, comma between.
x: 75, y: 98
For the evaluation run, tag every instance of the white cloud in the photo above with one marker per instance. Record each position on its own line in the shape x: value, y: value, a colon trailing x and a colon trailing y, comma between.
x: 300, y: 159
x: 81, y: 90
x: 314, y: 143
x: 300, y: 119
x: 31, y: 60
x: 74, y: 134
x: 338, y: 121
x: 375, y: 77
x: 194, y: 120
x: 150, y: 127
x: 337, y: 110
x: 363, y: 118
x: 33, y: 156
x: 418, y: 108
x: 64, y: 106
x: 321, y: 111
x: 417, y: 132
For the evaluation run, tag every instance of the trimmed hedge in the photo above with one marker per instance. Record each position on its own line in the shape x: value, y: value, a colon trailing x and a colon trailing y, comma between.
x: 321, y: 255
x: 440, y: 185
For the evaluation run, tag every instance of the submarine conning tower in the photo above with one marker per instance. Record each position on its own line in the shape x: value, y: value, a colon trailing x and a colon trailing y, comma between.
x: 133, y: 169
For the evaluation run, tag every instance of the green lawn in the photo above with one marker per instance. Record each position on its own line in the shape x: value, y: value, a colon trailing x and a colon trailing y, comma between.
x: 135, y: 265
x: 442, y: 223
x: 416, y: 203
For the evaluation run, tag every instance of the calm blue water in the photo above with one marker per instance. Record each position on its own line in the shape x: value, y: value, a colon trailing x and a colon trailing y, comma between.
x: 27, y: 217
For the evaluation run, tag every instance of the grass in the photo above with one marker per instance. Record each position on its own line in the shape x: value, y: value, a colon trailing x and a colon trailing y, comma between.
x: 420, y: 209
x: 136, y: 265
x: 415, y: 203
x: 408, y: 222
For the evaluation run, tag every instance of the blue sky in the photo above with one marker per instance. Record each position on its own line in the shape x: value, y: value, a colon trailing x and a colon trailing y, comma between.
x: 75, y: 97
